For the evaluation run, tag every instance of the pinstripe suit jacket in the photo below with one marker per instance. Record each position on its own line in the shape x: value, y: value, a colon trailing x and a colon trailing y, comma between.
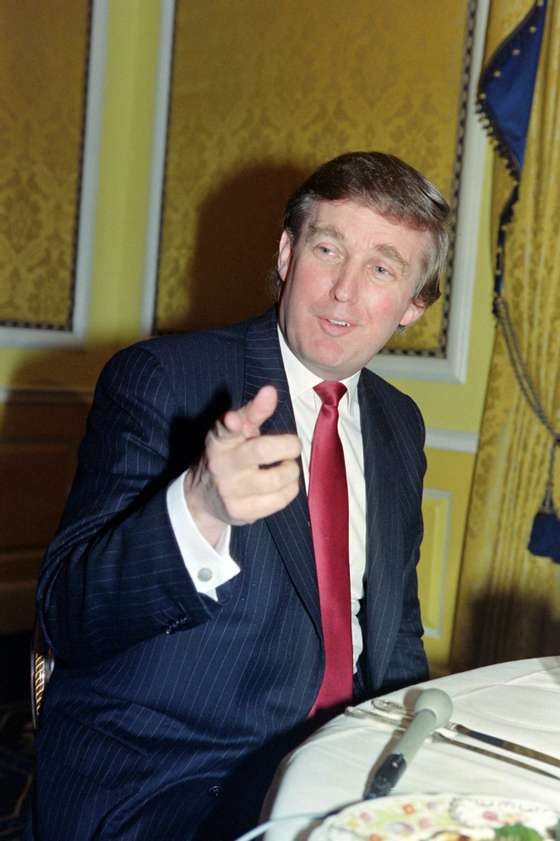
x: 166, y: 708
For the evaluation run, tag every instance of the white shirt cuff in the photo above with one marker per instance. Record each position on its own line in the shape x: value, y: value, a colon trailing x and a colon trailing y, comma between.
x: 208, y: 567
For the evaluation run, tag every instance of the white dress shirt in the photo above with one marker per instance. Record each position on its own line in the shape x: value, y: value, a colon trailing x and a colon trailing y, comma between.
x: 210, y: 567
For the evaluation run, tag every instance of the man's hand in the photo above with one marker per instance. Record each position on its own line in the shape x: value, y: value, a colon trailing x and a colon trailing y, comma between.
x: 242, y: 475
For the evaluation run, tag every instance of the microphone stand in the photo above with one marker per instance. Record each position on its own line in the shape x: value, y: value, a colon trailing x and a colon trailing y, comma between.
x: 432, y: 709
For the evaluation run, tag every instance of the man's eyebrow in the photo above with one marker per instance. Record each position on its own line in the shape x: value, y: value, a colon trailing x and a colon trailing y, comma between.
x: 385, y: 249
x: 393, y: 254
x: 323, y: 230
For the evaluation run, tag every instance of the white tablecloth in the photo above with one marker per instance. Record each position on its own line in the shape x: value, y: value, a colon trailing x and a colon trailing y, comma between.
x: 519, y: 701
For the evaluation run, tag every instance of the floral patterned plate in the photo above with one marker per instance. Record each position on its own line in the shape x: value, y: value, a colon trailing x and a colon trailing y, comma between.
x: 439, y: 817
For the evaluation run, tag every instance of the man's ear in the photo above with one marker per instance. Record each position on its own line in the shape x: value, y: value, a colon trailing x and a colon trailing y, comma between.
x: 284, y: 254
x: 413, y: 312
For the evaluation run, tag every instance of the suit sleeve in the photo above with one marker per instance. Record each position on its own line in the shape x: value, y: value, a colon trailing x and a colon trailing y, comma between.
x: 113, y: 575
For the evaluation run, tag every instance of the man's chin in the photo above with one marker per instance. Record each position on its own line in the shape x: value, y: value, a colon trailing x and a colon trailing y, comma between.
x: 330, y: 369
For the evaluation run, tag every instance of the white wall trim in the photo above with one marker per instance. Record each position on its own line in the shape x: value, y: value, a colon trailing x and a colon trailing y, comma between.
x: 453, y: 369
x: 451, y: 439
x: 35, y: 338
x: 153, y: 226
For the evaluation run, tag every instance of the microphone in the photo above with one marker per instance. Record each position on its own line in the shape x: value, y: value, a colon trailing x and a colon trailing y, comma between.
x: 432, y: 709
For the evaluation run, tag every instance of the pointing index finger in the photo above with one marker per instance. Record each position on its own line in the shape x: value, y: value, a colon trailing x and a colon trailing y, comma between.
x: 249, y: 418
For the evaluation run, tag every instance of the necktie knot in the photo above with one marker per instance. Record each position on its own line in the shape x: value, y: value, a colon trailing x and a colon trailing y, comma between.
x: 330, y: 392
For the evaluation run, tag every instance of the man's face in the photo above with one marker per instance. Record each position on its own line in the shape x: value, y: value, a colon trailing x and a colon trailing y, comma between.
x: 347, y: 285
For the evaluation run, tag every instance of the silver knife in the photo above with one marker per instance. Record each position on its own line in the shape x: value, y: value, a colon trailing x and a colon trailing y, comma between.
x: 438, y: 736
x: 384, y: 705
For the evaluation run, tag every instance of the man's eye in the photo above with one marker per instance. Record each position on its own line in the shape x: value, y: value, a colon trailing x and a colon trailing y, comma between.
x: 325, y: 250
x: 382, y: 271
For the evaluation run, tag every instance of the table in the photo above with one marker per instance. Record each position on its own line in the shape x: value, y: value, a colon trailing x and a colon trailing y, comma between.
x: 519, y: 701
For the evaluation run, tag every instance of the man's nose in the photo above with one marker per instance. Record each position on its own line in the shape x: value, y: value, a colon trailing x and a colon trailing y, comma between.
x: 345, y: 286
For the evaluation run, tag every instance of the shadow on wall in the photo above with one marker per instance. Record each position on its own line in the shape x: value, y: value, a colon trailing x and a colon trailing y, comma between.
x: 41, y: 427
x: 38, y: 444
x: 237, y: 236
x: 508, y: 626
x: 238, y: 230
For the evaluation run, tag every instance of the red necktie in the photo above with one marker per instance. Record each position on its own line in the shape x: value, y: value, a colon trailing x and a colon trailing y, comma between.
x: 328, y: 507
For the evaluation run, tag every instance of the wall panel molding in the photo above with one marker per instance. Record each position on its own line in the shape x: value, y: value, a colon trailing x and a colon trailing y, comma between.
x: 451, y: 439
x: 29, y: 335
x: 153, y: 227
x: 436, y: 509
x: 453, y: 368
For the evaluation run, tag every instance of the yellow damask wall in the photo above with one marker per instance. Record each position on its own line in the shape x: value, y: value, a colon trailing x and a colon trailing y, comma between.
x: 46, y: 391
x: 457, y: 408
x: 262, y: 93
x: 121, y: 206
x: 295, y: 86
x: 42, y: 83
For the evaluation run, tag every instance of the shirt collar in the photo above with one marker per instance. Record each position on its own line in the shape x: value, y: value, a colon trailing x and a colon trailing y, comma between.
x: 301, y: 379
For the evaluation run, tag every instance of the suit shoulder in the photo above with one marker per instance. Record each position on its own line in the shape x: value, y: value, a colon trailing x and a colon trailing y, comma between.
x: 190, y: 370
x: 193, y: 343
x: 398, y: 422
x: 180, y: 352
x: 212, y: 354
x: 389, y: 395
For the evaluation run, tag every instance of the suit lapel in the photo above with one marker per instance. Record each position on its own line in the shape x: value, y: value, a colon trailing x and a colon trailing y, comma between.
x: 384, y: 530
x: 290, y: 528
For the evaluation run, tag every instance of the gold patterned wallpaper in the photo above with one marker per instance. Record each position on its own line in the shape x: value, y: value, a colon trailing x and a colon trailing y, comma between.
x: 262, y: 92
x: 43, y: 59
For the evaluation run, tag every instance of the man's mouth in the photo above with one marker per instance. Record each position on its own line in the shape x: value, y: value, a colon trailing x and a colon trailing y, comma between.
x: 338, y: 322
x: 335, y: 327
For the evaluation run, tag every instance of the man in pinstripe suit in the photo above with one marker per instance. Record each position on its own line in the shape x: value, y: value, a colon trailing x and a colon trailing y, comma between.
x: 180, y: 594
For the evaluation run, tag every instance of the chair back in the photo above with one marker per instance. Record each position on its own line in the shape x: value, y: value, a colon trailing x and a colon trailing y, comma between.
x: 41, y: 668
